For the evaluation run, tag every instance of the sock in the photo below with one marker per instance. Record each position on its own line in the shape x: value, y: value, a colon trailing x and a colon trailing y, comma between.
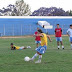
x: 28, y: 47
x: 58, y: 46
x: 62, y: 46
x: 40, y: 57
x: 71, y: 45
x: 34, y: 56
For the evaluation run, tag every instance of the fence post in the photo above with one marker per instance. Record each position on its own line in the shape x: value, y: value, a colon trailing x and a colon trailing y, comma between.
x: 46, y: 31
x: 54, y: 29
x: 4, y: 29
x: 21, y: 29
x: 13, y: 30
x: 62, y: 29
x: 30, y: 29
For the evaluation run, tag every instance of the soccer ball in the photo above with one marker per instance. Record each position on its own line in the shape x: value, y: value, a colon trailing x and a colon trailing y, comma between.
x: 26, y: 58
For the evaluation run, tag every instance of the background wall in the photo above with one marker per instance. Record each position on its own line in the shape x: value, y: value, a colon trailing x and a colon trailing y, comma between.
x: 27, y: 26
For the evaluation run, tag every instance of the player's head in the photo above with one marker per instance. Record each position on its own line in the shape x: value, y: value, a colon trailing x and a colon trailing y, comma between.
x: 71, y: 26
x: 40, y: 31
x: 11, y: 44
x: 57, y: 25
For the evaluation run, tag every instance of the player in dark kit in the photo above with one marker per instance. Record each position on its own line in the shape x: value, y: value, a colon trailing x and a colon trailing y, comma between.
x: 58, y: 35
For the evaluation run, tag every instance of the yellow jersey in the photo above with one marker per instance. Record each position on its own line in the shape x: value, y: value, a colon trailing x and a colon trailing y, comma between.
x: 44, y: 39
x: 17, y: 47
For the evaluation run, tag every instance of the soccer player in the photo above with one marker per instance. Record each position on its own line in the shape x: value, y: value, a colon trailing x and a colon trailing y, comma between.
x: 41, y: 49
x: 58, y: 35
x: 69, y: 33
x: 37, y: 38
x: 13, y: 47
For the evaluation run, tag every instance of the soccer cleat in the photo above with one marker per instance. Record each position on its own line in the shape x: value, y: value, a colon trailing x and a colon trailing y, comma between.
x: 58, y: 48
x: 31, y: 60
x: 39, y: 61
x: 63, y: 48
x: 28, y: 47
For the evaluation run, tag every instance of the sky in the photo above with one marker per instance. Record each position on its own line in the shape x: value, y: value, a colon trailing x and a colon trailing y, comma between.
x: 36, y: 4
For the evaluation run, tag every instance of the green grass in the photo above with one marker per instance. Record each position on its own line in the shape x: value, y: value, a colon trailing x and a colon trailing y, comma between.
x: 53, y: 60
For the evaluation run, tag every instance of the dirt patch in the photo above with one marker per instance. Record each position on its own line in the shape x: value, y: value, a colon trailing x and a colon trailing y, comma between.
x: 4, y: 37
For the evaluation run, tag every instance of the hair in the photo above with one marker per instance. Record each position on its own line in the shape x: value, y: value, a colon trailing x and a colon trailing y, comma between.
x: 11, y: 43
x: 40, y: 31
x: 57, y: 24
x: 70, y: 25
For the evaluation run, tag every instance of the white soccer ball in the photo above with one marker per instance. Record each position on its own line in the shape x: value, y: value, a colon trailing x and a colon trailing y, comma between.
x: 26, y: 58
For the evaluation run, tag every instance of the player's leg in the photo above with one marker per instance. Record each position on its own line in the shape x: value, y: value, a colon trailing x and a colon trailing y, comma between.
x: 34, y: 57
x: 36, y: 54
x: 58, y: 44
x: 37, y: 49
x: 57, y: 39
x: 40, y: 42
x: 60, y: 39
x: 40, y: 57
x: 28, y: 47
x: 36, y: 43
x: 41, y: 51
x: 23, y: 47
x: 71, y: 45
x: 70, y: 39
x: 62, y: 44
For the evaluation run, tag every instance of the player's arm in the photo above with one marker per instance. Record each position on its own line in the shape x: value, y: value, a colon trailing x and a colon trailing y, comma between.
x: 11, y: 48
x: 41, y: 35
x: 49, y: 38
x: 61, y: 31
x: 55, y: 30
x: 14, y: 48
x: 68, y: 34
x: 34, y: 35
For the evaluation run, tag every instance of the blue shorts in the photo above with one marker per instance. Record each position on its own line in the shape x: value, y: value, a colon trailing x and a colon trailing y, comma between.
x: 37, y: 42
x: 41, y: 49
x: 58, y: 39
x: 70, y: 39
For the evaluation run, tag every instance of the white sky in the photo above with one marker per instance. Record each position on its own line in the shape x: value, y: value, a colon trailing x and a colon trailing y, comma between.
x: 36, y: 4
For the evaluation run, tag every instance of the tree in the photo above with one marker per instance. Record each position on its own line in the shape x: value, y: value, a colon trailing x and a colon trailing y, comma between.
x: 22, y: 8
x: 52, y: 11
x: 19, y: 9
x: 70, y: 12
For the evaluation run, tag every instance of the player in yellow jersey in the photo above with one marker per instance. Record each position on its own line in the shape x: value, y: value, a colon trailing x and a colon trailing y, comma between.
x: 41, y: 50
x: 13, y: 47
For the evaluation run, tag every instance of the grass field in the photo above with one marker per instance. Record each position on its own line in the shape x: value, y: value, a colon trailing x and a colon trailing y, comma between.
x: 53, y: 60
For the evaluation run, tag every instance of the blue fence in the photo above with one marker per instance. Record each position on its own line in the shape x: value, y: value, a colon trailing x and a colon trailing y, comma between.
x: 27, y: 26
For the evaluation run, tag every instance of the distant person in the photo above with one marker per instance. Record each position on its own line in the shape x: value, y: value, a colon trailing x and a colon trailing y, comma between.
x: 69, y: 33
x: 37, y: 38
x: 13, y: 47
x: 58, y: 35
